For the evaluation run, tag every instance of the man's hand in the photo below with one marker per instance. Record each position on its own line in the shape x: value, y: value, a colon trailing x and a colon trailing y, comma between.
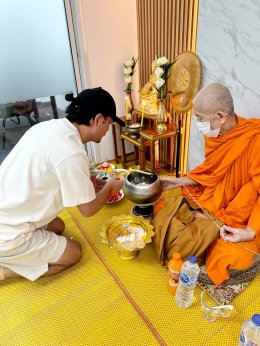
x: 98, y: 183
x: 236, y: 235
x: 115, y: 184
x: 168, y: 183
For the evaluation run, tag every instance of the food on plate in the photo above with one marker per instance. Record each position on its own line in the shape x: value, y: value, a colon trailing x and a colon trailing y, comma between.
x: 106, y: 167
x: 118, y: 173
x: 115, y: 197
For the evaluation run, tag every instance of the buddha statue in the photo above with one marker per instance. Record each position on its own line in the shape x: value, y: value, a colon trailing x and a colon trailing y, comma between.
x: 148, y: 95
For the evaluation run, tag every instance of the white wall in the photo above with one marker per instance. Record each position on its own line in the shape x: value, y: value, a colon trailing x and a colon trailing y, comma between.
x: 228, y: 44
x: 110, y: 38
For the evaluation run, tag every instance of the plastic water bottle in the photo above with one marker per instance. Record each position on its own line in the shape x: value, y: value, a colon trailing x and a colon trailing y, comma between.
x: 188, y: 279
x: 250, y: 332
x: 174, y: 268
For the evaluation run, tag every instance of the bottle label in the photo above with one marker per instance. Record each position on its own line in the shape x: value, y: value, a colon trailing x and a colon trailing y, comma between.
x: 186, y: 280
x: 174, y: 274
x: 173, y: 283
x: 245, y: 341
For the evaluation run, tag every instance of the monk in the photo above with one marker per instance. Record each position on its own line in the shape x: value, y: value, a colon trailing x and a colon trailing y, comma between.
x: 227, y: 184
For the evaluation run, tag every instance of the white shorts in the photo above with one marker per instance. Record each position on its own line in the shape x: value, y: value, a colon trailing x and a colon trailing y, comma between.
x: 31, y: 259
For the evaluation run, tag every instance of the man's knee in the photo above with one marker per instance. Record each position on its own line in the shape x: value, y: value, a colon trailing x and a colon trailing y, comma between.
x: 77, y: 250
x: 72, y: 253
x: 60, y: 225
x: 57, y: 226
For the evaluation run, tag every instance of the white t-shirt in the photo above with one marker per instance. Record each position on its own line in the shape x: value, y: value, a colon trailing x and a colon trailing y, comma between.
x: 46, y: 171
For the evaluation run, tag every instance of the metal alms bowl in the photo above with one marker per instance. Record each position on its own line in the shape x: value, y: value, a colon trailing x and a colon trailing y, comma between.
x: 134, y: 129
x: 141, y: 188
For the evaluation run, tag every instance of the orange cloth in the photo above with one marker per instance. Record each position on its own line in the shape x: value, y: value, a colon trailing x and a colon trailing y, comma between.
x: 229, y: 187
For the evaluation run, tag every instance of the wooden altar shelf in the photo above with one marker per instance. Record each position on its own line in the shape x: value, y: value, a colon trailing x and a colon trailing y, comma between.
x: 149, y: 137
x: 152, y: 137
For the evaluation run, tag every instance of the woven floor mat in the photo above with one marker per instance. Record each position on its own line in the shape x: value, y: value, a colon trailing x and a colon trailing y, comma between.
x: 104, y: 300
x: 144, y: 281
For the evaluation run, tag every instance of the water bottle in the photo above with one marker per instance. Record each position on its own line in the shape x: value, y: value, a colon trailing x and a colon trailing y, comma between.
x: 250, y: 332
x: 174, y: 268
x: 188, y: 279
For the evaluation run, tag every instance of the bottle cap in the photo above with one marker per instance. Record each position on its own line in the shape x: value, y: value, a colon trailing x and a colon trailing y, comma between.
x: 256, y: 319
x: 193, y: 259
x: 176, y: 255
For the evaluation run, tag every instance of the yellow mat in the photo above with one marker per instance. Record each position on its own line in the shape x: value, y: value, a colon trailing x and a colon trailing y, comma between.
x: 105, y: 300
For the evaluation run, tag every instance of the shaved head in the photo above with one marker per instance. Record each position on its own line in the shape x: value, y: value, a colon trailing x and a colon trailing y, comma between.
x: 213, y: 98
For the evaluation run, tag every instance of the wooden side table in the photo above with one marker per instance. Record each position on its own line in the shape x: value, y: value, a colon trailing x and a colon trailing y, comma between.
x: 152, y: 136
x: 138, y: 150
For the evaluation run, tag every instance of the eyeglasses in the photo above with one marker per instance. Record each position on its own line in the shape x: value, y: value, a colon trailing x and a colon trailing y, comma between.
x: 210, y: 311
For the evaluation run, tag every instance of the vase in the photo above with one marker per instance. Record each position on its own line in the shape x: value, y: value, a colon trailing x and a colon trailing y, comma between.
x: 161, y: 116
x: 128, y: 106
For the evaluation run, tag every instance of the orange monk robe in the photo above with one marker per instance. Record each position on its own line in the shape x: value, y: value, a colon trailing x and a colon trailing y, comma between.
x: 229, y: 187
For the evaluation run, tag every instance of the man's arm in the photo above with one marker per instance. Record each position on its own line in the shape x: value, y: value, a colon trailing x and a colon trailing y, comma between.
x: 173, y: 182
x: 112, y: 186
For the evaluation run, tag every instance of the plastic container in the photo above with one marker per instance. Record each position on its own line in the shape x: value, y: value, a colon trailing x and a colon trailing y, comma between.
x: 250, y: 332
x: 188, y: 279
x: 174, y: 269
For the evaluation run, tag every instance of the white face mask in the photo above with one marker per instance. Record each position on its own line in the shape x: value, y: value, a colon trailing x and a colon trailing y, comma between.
x: 205, y: 128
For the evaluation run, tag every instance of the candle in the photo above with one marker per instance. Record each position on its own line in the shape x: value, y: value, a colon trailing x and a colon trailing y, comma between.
x: 142, y: 119
x: 126, y: 108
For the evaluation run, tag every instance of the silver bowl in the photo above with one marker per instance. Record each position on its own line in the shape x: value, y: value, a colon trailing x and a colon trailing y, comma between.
x: 141, y: 188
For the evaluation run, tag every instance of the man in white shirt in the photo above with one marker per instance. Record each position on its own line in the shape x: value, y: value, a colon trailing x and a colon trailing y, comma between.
x: 47, y: 171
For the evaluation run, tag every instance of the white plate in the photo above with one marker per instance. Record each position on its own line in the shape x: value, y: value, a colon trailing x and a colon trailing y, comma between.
x: 119, y: 199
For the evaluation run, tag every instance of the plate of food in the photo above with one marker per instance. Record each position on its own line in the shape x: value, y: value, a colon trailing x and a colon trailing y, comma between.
x: 106, y: 167
x: 116, y: 197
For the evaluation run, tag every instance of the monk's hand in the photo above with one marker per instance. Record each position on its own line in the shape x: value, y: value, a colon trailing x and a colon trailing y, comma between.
x: 169, y: 183
x: 236, y: 235
x: 199, y: 215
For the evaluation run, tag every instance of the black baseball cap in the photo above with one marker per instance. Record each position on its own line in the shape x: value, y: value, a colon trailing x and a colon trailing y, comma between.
x: 90, y: 102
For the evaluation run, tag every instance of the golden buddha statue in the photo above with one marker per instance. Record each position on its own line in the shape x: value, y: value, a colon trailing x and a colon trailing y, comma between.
x: 148, y: 95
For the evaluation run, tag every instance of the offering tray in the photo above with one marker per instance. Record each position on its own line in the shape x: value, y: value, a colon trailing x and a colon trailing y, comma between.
x: 127, y: 234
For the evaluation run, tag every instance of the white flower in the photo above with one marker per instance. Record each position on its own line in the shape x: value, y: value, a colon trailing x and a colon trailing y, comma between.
x: 128, y: 79
x: 162, y: 61
x: 129, y: 63
x: 159, y: 83
x: 159, y: 71
x: 128, y: 70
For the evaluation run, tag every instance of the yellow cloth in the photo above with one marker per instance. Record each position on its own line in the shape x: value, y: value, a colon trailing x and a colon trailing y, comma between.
x: 177, y: 230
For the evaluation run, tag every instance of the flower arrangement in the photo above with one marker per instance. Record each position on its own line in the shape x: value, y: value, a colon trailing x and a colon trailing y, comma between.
x: 129, y: 70
x: 162, y: 74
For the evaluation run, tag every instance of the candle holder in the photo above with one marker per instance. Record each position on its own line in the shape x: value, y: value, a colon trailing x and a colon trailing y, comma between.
x: 128, y: 106
x: 162, y: 116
